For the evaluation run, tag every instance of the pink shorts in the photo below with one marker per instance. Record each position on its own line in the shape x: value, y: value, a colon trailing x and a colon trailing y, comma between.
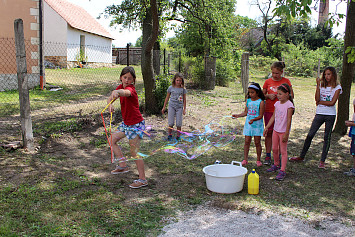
x: 267, y: 117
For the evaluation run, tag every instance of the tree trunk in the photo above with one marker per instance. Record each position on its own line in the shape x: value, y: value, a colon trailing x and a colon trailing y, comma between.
x: 149, y: 37
x: 348, y: 72
x: 156, y: 58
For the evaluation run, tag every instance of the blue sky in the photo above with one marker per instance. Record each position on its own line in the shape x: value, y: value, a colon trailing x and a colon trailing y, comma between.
x: 95, y: 7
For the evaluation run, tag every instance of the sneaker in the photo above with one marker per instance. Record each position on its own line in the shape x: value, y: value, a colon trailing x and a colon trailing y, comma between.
x: 120, y: 170
x: 138, y: 183
x: 296, y: 159
x: 273, y: 168
x: 258, y: 163
x: 267, y: 161
x: 170, y: 137
x: 351, y: 172
x: 244, y: 162
x: 321, y: 165
x: 281, y: 175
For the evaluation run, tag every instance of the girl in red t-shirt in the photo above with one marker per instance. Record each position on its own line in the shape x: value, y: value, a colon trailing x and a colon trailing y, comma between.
x: 270, y: 92
x: 132, y: 127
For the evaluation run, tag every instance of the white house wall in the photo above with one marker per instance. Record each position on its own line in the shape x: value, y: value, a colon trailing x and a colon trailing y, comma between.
x: 55, y: 32
x: 97, y: 48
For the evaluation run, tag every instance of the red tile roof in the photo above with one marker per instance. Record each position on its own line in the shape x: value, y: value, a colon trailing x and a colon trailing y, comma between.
x: 78, y: 18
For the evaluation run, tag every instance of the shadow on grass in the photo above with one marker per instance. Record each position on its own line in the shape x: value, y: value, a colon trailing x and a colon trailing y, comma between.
x: 66, y: 187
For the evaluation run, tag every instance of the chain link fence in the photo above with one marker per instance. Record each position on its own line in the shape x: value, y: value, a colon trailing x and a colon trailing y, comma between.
x: 77, y: 82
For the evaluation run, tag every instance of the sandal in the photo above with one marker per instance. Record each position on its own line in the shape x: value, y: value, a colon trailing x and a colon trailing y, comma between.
x: 244, y: 162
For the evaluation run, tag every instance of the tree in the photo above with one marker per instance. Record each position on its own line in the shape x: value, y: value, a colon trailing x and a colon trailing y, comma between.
x: 347, y: 71
x: 152, y: 16
x: 291, y: 8
x: 270, y: 43
x: 136, y: 13
x: 299, y: 30
x: 208, y: 30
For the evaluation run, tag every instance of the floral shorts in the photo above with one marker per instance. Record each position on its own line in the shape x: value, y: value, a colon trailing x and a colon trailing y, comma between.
x: 131, y: 131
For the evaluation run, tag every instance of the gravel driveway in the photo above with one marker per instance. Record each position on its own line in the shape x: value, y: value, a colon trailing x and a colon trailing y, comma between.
x: 208, y: 221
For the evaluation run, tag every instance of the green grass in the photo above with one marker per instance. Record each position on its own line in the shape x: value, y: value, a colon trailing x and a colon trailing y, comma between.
x: 42, y: 195
x: 76, y: 206
x: 77, y: 84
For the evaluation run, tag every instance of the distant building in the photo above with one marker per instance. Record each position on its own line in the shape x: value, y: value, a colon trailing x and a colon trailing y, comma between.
x: 66, y: 28
x: 252, y: 39
x: 71, y: 34
x: 28, y: 11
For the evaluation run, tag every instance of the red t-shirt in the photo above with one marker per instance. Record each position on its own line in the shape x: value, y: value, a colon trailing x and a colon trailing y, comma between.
x: 130, y: 106
x: 271, y: 87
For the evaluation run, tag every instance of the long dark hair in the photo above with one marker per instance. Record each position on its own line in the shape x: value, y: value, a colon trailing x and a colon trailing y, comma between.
x: 334, y: 82
x: 176, y: 76
x: 258, y: 91
x: 285, y: 88
x: 129, y: 69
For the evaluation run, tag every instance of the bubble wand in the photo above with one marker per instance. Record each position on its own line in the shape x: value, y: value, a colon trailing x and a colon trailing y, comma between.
x: 103, y: 121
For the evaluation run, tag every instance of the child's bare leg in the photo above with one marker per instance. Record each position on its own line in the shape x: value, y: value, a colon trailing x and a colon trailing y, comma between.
x: 178, y: 131
x: 116, y: 137
x: 246, y: 147
x: 257, y: 141
x: 170, y: 130
x: 134, y: 146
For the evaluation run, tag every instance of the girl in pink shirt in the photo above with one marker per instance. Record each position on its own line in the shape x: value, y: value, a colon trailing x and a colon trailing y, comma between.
x: 281, y: 119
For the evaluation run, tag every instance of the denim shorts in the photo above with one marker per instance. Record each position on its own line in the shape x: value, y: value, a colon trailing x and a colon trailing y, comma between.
x: 131, y: 131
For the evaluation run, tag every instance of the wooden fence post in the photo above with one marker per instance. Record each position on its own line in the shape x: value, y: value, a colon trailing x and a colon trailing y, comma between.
x: 245, y: 72
x: 24, y: 97
x: 210, y: 73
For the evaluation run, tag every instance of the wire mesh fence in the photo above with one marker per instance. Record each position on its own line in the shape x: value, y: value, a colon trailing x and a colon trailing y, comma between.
x: 77, y: 81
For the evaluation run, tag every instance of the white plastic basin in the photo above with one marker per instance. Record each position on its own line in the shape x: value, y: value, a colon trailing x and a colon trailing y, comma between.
x: 225, y: 178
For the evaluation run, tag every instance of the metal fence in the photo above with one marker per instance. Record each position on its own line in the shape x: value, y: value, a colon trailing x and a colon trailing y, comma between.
x: 73, y: 86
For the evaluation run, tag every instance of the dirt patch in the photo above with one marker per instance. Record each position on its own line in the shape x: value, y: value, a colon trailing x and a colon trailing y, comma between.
x: 85, y: 153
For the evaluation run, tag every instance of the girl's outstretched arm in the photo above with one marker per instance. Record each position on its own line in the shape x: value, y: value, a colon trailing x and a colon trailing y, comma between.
x: 288, y: 127
x: 243, y: 114
x: 165, y: 102
x: 121, y: 93
x: 109, y: 99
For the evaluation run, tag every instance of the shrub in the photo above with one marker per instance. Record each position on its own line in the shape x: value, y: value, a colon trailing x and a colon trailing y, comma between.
x: 225, y: 73
x: 260, y: 64
x: 161, y: 86
x: 198, y: 72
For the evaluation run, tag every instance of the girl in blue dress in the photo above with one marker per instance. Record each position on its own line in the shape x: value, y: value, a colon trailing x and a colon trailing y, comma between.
x: 254, y: 126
